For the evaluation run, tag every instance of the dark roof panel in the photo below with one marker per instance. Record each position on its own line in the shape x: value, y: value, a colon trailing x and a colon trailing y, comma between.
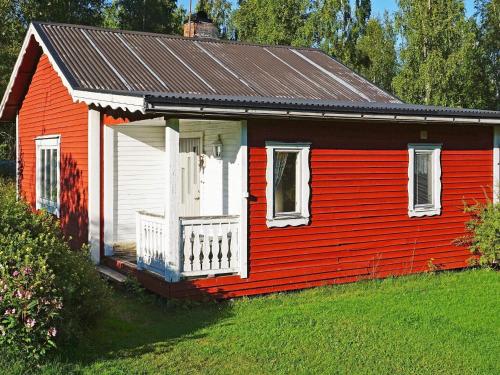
x: 135, y: 62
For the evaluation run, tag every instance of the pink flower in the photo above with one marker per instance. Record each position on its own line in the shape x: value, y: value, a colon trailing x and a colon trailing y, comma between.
x: 30, y: 323
x: 18, y: 294
x: 28, y: 294
x: 15, y: 273
x: 26, y: 271
x: 52, y: 331
x: 10, y: 312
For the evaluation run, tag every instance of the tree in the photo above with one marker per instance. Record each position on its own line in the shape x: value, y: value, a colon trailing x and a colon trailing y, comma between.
x: 329, y: 27
x: 376, y: 52
x: 219, y: 11
x: 488, y: 12
x: 271, y: 21
x: 161, y: 16
x: 439, y: 54
x: 15, y: 16
x: 86, y: 12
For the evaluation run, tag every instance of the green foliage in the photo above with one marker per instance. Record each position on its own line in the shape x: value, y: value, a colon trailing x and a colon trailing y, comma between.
x: 272, y: 21
x: 483, y: 232
x: 144, y: 15
x: 376, y: 53
x: 439, y: 55
x: 488, y: 12
x: 49, y: 293
x: 7, y: 141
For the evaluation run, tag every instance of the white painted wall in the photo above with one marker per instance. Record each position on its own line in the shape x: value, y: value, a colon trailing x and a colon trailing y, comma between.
x: 220, y: 180
x: 139, y: 176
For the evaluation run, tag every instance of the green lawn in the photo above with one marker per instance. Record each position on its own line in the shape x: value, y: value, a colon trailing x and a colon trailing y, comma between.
x: 430, y: 324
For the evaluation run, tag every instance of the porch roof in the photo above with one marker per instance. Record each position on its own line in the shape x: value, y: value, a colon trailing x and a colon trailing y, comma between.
x: 146, y: 72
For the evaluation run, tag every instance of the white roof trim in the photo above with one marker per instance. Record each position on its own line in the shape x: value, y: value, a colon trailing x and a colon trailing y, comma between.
x: 245, y: 112
x: 124, y: 102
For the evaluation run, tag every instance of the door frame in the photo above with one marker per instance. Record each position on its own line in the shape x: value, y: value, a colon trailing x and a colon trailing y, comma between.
x: 193, y: 134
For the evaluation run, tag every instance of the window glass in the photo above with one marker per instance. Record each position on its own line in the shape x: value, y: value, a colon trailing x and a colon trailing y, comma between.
x: 53, y: 178
x: 42, y: 173
x: 285, y: 182
x: 423, y: 178
x: 48, y: 175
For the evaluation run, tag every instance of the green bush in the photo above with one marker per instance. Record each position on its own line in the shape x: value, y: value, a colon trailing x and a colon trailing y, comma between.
x: 49, y: 293
x: 483, y: 232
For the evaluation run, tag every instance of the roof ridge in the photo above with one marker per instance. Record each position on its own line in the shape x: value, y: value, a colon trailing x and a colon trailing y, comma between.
x: 171, y: 36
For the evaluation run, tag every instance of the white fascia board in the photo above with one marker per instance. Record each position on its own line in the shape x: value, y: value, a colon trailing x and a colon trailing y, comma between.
x: 315, y: 114
x: 114, y: 101
x: 124, y: 102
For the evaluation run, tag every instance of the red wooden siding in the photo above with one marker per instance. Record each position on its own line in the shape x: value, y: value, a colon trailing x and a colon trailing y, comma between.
x: 48, y: 109
x: 359, y: 222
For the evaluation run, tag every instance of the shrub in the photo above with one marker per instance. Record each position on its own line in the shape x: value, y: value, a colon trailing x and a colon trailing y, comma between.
x: 49, y: 293
x: 483, y: 232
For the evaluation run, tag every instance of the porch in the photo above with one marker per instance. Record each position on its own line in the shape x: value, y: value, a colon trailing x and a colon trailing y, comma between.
x: 175, y: 197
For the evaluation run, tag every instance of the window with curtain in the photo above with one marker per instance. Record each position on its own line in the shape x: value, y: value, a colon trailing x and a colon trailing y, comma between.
x: 47, y: 174
x: 287, y: 191
x: 424, y: 184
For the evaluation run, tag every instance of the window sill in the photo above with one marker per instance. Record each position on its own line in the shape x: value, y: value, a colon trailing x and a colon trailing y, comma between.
x: 424, y: 212
x: 53, y: 210
x: 285, y: 221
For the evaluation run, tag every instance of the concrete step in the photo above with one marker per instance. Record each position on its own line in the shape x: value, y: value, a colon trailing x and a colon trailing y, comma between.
x: 112, y: 274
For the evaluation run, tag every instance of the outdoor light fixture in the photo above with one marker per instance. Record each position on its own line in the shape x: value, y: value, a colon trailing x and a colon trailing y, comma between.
x: 217, y: 148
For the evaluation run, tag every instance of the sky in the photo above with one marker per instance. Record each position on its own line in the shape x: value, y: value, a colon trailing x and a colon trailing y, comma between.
x: 378, y: 6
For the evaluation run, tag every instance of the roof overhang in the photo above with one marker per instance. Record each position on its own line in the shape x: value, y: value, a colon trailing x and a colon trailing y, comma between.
x: 32, y: 48
x: 296, y: 108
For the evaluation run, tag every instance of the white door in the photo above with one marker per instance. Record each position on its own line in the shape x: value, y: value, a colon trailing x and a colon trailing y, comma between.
x: 190, y: 176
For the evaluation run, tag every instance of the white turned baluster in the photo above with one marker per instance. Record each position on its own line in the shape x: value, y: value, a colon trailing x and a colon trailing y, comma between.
x: 197, y: 248
x: 187, y: 242
x: 216, y: 247
x: 205, y: 264
x: 234, y: 245
x: 224, y: 248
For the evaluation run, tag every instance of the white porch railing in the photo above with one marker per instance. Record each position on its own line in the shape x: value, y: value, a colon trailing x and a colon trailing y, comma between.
x: 151, y: 242
x: 209, y: 245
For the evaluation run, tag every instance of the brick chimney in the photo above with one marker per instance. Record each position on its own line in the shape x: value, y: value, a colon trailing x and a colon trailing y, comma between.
x: 200, y: 27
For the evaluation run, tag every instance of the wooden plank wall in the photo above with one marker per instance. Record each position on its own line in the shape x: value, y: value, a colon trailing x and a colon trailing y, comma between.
x: 359, y: 222
x: 48, y: 109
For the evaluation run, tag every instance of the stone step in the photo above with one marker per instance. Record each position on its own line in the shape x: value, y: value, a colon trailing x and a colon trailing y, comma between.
x: 111, y: 274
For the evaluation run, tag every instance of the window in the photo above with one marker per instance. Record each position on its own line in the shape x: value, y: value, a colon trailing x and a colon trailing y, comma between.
x: 287, y: 177
x: 424, y: 180
x: 47, y: 174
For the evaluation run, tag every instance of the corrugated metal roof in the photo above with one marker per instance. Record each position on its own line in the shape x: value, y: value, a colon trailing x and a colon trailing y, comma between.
x: 154, y: 102
x: 147, y: 72
x: 140, y: 63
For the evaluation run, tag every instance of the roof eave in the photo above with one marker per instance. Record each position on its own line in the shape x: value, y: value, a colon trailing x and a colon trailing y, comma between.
x: 303, y: 109
x: 123, y: 101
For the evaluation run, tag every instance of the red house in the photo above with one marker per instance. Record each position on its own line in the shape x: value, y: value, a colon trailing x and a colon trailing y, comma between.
x: 230, y: 169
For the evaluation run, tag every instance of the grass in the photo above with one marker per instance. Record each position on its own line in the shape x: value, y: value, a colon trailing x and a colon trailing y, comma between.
x: 447, y: 323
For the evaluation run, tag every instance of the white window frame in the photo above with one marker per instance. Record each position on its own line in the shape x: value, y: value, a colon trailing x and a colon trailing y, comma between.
x: 435, y: 207
x: 50, y: 142
x: 303, y: 175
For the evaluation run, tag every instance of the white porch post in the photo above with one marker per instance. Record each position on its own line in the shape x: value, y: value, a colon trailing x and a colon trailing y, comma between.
x: 94, y: 176
x: 243, y: 229
x: 109, y: 198
x: 172, y: 160
x: 496, y: 164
